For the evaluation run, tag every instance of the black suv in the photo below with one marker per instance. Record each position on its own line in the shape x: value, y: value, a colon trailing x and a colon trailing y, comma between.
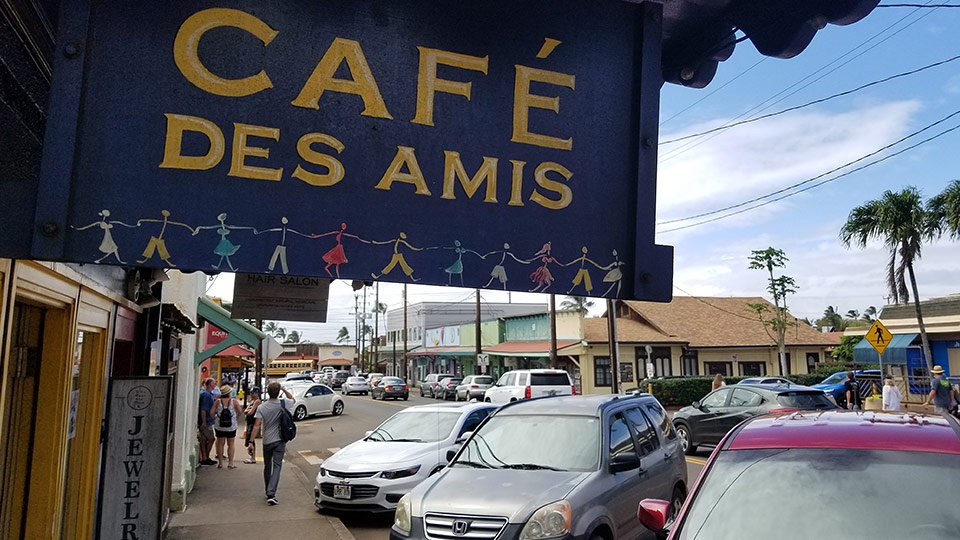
x: 338, y: 379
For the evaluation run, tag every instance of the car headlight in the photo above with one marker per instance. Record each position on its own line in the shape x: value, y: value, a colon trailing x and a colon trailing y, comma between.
x: 402, y: 473
x: 401, y: 517
x: 323, y: 472
x: 549, y: 521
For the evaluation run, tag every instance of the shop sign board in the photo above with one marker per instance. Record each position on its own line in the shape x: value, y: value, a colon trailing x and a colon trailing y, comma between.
x: 492, y: 144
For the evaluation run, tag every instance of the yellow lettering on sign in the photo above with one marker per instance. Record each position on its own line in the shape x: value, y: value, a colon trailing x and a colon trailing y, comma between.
x: 540, y: 175
x: 238, y: 164
x: 516, y: 186
x: 523, y: 100
x: 336, y: 170
x: 187, y: 42
x: 453, y: 170
x: 406, y: 157
x: 428, y: 84
x: 363, y: 83
x: 173, y: 145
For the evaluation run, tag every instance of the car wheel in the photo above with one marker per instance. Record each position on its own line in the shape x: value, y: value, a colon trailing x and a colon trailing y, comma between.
x: 406, y: 398
x: 676, y: 501
x: 486, y: 400
x: 338, y: 408
x: 684, y: 434
x: 300, y: 413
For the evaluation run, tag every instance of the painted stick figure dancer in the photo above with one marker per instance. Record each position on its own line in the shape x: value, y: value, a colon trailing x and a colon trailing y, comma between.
x: 336, y: 256
x: 157, y: 243
x: 583, y: 275
x: 107, y: 245
x: 542, y: 276
x: 614, y: 275
x: 499, y: 272
x: 457, y: 266
x: 280, y: 252
x: 225, y: 248
x: 397, y: 257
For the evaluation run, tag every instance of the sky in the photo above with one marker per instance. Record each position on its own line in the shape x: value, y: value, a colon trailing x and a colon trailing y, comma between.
x: 763, y: 160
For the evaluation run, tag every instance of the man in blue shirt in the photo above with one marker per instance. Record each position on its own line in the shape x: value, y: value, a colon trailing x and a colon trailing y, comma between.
x: 205, y: 421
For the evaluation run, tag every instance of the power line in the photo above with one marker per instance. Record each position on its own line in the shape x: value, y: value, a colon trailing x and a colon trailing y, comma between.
x: 819, y: 176
x: 814, y: 102
x: 942, y: 133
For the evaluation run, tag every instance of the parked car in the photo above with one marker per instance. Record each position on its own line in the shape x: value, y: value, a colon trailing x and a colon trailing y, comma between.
x: 428, y: 382
x: 708, y: 420
x: 473, y: 387
x: 355, y: 385
x: 290, y: 378
x: 766, y: 380
x: 833, y: 385
x: 528, y: 383
x: 390, y: 387
x: 311, y: 399
x: 339, y: 378
x: 558, y: 467
x: 372, y: 474
x: 833, y: 474
x: 446, y: 388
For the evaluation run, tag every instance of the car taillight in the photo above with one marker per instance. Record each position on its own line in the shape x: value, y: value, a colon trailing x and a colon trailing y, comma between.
x: 526, y: 392
x: 474, y: 386
x: 404, y: 387
x: 573, y: 390
x: 387, y: 387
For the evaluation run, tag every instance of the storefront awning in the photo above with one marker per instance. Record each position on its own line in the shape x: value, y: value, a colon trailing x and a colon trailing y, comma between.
x: 445, y: 351
x: 238, y: 332
x: 895, y: 353
x: 536, y: 349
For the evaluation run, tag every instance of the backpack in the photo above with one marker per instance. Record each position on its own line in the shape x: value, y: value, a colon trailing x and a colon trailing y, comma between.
x: 288, y: 430
x: 225, y: 417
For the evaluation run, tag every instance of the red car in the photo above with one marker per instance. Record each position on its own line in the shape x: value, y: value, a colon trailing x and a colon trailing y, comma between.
x: 824, y: 474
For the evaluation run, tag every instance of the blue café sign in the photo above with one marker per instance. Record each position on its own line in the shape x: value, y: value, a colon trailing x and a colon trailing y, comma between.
x: 484, y: 144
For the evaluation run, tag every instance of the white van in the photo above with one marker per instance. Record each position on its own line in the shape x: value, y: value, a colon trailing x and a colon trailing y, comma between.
x: 530, y: 383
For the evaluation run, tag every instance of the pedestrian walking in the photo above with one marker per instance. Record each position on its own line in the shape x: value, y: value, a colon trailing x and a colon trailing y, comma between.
x: 268, y: 423
x: 851, y: 392
x: 891, y: 395
x: 226, y: 410
x: 250, y: 418
x: 205, y: 421
x: 941, y: 394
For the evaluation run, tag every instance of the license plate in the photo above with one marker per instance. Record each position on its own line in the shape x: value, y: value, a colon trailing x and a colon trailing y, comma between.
x: 341, y: 492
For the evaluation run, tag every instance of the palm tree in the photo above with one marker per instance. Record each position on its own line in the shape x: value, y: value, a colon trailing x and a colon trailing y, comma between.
x: 577, y: 303
x: 869, y: 314
x: 293, y: 337
x: 275, y: 330
x: 853, y: 314
x: 902, y: 223
x: 343, y: 335
x: 831, y: 319
x: 945, y: 210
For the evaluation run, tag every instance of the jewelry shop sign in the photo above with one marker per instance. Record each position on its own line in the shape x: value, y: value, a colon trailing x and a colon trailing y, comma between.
x: 490, y: 144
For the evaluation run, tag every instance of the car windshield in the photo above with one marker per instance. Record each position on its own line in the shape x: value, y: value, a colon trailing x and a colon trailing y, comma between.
x: 836, y: 378
x: 805, y: 400
x: 418, y: 426
x: 826, y: 493
x: 568, y: 443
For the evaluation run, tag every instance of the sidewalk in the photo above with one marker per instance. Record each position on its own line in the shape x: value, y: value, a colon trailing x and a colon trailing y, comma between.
x: 230, y: 502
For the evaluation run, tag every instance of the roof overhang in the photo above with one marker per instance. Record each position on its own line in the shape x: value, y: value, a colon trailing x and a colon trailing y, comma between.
x: 238, y: 332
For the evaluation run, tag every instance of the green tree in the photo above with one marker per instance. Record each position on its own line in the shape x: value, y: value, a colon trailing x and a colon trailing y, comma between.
x: 293, y: 337
x: 577, y: 303
x: 869, y: 314
x: 779, y: 288
x: 832, y: 320
x: 275, y: 330
x: 903, y: 224
x: 844, y: 351
x: 343, y: 335
x: 944, y: 210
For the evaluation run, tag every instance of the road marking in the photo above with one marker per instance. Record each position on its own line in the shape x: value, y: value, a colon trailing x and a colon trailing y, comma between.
x: 311, y: 457
x: 696, y: 460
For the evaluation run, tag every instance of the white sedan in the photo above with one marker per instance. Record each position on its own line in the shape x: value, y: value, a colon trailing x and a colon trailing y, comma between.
x: 310, y: 399
x: 355, y: 385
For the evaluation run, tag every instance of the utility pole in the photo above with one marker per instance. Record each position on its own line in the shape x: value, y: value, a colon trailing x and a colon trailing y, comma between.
x: 363, y: 331
x: 376, y: 328
x: 553, y: 331
x: 404, y: 359
x: 356, y: 326
x: 479, y: 349
x: 613, y: 345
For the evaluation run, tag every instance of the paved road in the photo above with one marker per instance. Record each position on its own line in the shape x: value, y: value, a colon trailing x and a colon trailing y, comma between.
x: 319, y: 437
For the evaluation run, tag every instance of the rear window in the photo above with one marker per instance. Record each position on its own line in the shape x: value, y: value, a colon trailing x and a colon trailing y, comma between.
x: 805, y: 400
x: 483, y: 380
x: 549, y: 379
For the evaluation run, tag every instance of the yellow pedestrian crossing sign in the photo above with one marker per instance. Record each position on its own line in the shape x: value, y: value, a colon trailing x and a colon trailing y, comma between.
x: 878, y: 336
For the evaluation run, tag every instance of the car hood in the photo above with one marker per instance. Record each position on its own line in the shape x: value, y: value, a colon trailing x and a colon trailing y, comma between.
x: 364, y: 455
x: 518, y: 493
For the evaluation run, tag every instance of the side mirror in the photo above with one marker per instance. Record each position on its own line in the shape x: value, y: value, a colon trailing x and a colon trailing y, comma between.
x: 367, y: 434
x: 695, y: 404
x: 463, y: 438
x: 624, y: 462
x: 653, y: 514
x: 450, y: 455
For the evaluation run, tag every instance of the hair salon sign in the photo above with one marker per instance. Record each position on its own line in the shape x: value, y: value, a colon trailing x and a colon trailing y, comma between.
x: 493, y: 144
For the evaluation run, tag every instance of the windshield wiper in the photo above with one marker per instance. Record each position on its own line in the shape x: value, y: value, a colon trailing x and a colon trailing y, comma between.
x: 530, y: 467
x: 474, y: 464
x: 406, y: 440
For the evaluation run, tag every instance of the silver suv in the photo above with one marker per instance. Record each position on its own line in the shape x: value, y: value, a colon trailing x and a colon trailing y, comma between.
x: 563, y: 467
x: 429, y: 383
x: 529, y: 383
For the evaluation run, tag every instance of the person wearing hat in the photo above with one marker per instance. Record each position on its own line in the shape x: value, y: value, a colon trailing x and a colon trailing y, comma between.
x: 941, y: 393
x: 250, y: 413
x: 226, y: 410
x: 891, y: 395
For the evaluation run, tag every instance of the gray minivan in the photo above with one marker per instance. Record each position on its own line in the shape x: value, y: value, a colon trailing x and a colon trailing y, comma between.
x: 557, y: 467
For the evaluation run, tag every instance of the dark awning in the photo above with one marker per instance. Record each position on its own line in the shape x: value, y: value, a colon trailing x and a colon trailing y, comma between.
x: 895, y: 353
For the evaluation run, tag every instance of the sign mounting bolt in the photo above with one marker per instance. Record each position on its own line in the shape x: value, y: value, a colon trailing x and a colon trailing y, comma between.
x: 71, y: 50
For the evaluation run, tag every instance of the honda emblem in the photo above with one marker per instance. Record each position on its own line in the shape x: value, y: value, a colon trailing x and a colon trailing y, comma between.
x: 460, y: 527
